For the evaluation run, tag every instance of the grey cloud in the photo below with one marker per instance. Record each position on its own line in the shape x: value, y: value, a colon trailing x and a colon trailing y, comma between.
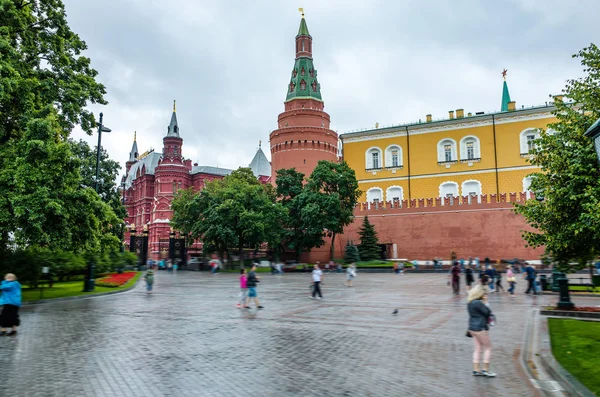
x: 228, y: 63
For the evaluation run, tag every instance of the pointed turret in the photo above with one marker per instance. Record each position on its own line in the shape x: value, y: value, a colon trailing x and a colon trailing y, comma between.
x: 133, y: 155
x: 260, y: 165
x: 173, y: 129
x: 505, y: 94
x: 303, y: 135
x: 303, y: 82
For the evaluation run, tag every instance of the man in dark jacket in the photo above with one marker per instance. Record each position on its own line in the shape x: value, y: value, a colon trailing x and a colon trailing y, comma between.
x: 253, y: 279
x: 530, y: 277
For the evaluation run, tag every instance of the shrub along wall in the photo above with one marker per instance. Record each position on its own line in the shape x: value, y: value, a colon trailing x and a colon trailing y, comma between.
x: 63, y: 265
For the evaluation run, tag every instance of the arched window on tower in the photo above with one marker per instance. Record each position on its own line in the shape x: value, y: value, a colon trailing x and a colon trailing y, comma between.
x: 175, y: 151
x: 302, y: 45
x: 314, y: 86
x: 294, y: 73
x: 292, y: 86
x: 302, y: 71
x: 302, y: 85
x: 312, y: 72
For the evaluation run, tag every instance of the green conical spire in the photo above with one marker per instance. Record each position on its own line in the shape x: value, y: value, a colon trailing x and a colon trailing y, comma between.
x: 505, y: 94
x: 303, y: 30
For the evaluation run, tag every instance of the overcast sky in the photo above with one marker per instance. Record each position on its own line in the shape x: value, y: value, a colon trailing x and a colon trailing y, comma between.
x: 228, y: 63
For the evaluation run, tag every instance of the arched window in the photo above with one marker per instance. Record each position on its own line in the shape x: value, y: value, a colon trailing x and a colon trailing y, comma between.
x: 528, y: 138
x: 395, y: 194
x: 393, y: 156
x: 373, y: 158
x: 374, y: 196
x: 470, y: 148
x: 447, y: 151
x: 471, y: 189
x: 448, y: 190
x: 303, y: 85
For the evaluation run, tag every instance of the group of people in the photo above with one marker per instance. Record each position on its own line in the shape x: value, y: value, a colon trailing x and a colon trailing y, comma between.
x: 494, y: 278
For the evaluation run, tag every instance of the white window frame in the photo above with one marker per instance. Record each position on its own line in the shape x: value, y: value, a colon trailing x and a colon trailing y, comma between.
x: 476, y: 148
x: 369, y: 158
x: 388, y: 194
x: 444, y: 193
x: 442, y: 153
x: 524, y: 141
x: 374, y: 191
x: 389, y: 159
x: 466, y: 189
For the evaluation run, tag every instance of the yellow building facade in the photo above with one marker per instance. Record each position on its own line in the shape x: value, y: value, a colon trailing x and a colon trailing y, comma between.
x: 463, y: 155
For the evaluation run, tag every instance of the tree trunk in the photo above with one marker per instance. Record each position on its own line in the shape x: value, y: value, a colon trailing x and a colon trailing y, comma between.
x: 332, y: 247
x: 241, y: 253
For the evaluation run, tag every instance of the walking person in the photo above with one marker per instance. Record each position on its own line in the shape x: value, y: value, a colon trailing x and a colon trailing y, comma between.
x: 243, y: 289
x: 317, y: 276
x: 498, y: 273
x: 469, y: 279
x: 350, y: 274
x: 149, y: 277
x: 479, y: 320
x: 511, y: 279
x: 455, y: 277
x: 491, y: 273
x: 251, y: 283
x: 530, y: 277
x: 11, y: 299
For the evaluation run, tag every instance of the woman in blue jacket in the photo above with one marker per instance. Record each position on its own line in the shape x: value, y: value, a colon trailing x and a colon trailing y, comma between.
x: 11, y: 299
x: 479, y: 316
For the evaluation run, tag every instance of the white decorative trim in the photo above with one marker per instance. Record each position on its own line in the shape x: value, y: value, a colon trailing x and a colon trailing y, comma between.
x: 477, y: 193
x: 442, y: 196
x: 369, y: 158
x: 476, y: 148
x: 388, y: 164
x: 523, y: 140
x: 387, y: 192
x: 401, y: 178
x: 371, y: 189
x: 474, y: 172
x: 448, y: 125
x: 441, y: 154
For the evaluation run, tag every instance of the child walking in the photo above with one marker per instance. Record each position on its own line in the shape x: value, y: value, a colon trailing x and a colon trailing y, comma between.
x: 243, y: 289
x: 149, y: 277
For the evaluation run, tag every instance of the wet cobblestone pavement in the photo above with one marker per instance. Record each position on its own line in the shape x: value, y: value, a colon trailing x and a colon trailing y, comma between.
x: 189, y: 339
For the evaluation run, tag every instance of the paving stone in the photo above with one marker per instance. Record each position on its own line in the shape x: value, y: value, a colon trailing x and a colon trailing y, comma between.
x: 189, y: 339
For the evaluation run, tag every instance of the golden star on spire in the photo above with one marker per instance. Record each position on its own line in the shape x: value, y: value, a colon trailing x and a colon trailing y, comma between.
x: 302, y: 11
x: 504, y: 73
x: 173, y: 106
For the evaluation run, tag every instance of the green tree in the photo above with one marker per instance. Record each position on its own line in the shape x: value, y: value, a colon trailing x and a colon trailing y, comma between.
x: 368, y: 248
x: 45, y: 86
x: 298, y: 233
x: 235, y: 212
x: 332, y: 194
x: 566, y: 219
x: 351, y: 254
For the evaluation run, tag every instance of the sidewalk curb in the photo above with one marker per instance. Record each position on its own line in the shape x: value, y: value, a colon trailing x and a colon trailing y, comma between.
x: 71, y: 298
x: 530, y: 361
x: 568, y: 382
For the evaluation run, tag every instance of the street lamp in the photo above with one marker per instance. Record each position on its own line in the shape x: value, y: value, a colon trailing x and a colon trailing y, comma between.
x: 90, y: 280
x: 101, y: 129
x: 594, y: 133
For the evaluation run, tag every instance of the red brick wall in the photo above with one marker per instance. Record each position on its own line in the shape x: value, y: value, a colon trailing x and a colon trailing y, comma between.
x: 478, y: 230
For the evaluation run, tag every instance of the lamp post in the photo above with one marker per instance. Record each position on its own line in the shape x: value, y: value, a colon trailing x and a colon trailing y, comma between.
x: 90, y: 280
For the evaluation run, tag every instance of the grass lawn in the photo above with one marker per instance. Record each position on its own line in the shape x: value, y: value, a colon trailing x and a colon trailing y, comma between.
x: 580, y: 288
x: 575, y: 345
x: 69, y: 288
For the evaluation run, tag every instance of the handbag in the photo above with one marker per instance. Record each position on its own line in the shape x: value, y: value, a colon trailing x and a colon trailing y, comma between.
x: 491, y: 320
x: 468, y: 334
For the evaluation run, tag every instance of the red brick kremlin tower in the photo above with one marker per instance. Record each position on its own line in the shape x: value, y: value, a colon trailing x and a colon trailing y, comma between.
x: 303, y: 136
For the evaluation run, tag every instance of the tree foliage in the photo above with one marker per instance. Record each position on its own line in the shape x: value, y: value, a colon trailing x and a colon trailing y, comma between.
x: 319, y: 208
x: 567, y: 220
x: 368, y: 248
x: 45, y: 86
x: 235, y: 212
x: 351, y: 254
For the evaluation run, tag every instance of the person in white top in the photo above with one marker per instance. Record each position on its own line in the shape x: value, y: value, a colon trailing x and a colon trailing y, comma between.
x: 317, y: 275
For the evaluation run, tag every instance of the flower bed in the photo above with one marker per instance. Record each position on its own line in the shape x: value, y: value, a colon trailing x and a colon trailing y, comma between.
x: 577, y: 311
x: 115, y: 280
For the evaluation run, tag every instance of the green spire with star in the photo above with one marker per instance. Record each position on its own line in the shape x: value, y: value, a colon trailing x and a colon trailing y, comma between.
x: 505, y: 94
x: 303, y: 81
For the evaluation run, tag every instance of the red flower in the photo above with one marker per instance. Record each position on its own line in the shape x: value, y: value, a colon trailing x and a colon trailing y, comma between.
x: 115, y: 280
